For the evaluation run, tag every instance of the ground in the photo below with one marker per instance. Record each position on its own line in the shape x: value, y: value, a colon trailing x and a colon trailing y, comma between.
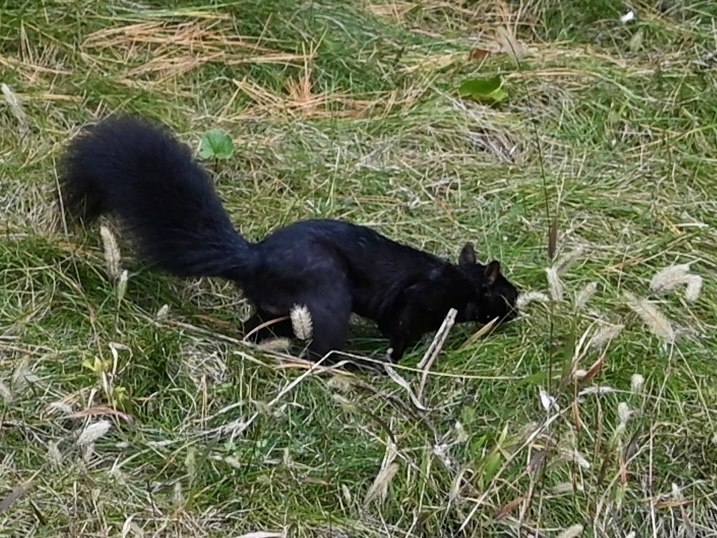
x: 120, y: 416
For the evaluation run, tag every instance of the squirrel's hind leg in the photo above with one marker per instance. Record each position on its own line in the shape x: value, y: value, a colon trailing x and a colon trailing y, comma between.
x: 403, y: 331
x: 329, y: 308
x: 327, y: 323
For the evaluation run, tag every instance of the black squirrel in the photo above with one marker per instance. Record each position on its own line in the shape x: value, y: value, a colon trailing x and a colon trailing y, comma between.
x: 137, y: 171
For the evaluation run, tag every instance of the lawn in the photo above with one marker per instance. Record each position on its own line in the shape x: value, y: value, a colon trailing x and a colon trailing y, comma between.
x: 139, y: 411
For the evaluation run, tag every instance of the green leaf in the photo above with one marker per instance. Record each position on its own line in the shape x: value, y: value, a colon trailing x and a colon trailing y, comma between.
x: 216, y: 143
x: 491, y: 466
x: 97, y: 365
x: 483, y: 89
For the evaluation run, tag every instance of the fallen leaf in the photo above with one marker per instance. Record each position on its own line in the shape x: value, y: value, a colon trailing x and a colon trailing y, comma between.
x: 483, y: 89
x: 594, y: 369
x: 479, y: 54
x: 102, y: 410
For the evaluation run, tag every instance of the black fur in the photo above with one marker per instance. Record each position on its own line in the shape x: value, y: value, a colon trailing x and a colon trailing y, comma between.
x: 140, y: 173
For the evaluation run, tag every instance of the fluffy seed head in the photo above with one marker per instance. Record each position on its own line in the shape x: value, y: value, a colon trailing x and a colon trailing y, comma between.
x: 275, y: 344
x: 651, y: 316
x: 555, y: 284
x: 301, y: 322
x: 605, y: 335
x: 572, y: 532
x: 585, y: 295
x: 93, y: 432
x: 568, y: 260
x: 530, y: 297
x: 112, y: 252
x: 636, y: 383
x: 669, y: 278
x: 623, y: 412
x: 694, y: 287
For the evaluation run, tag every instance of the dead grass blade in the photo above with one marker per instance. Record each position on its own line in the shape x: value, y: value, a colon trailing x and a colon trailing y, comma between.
x: 379, y: 487
x: 171, y: 49
x: 434, y: 349
x: 480, y: 333
x: 102, y: 410
x: 405, y: 385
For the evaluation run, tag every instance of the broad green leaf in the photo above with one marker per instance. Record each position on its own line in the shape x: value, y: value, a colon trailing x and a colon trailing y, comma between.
x: 483, y: 89
x: 491, y: 466
x: 216, y: 143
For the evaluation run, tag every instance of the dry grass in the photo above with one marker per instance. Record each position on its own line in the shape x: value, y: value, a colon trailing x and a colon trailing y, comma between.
x: 131, y: 405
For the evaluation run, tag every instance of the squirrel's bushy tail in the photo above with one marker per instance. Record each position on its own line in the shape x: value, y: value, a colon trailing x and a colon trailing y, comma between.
x: 139, y: 172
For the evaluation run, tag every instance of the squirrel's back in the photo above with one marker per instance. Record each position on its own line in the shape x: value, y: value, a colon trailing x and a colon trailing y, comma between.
x: 140, y: 173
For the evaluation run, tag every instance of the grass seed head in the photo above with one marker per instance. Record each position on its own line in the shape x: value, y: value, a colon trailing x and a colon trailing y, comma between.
x: 93, y: 432
x: 301, y: 322
x: 652, y: 317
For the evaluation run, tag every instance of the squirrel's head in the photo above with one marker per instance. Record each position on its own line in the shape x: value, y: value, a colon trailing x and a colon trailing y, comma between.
x: 496, y: 296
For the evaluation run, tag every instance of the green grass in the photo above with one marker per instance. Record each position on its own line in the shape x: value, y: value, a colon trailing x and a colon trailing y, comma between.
x: 610, y: 127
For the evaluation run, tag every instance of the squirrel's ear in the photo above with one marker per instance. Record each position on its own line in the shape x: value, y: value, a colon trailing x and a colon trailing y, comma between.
x: 492, y: 272
x: 467, y: 256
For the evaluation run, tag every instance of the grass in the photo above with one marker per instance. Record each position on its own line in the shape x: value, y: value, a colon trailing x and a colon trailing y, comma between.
x: 350, y: 110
